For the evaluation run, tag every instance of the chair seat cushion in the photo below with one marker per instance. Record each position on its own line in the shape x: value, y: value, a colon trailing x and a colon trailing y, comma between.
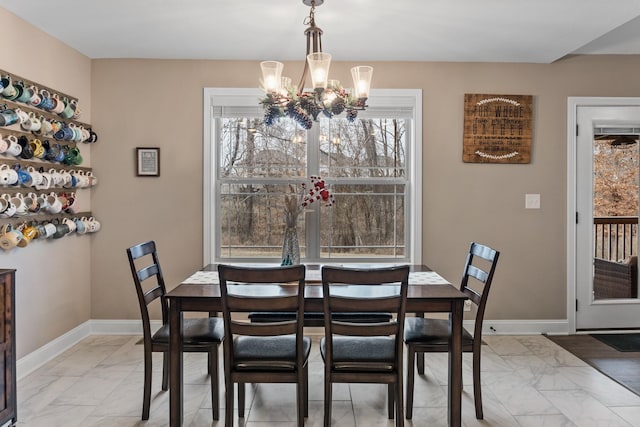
x: 195, y: 331
x: 271, y: 352
x: 361, y: 354
x: 431, y: 331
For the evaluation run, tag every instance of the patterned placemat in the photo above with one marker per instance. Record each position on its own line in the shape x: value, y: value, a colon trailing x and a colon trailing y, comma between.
x: 415, y: 278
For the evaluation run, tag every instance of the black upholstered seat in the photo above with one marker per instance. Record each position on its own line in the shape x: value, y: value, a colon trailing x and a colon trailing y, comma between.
x: 200, y: 335
x: 258, y: 352
x: 355, y: 352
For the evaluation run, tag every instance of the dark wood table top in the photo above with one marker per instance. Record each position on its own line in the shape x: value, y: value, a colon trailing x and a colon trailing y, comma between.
x: 438, y: 296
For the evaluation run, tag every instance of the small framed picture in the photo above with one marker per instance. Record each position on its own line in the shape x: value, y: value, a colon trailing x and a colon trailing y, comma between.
x: 147, y: 161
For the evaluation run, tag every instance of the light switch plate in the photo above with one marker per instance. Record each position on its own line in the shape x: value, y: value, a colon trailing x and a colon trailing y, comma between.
x: 532, y: 201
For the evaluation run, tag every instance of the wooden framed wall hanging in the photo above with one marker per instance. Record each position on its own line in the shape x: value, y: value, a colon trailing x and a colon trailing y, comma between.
x: 147, y: 161
x: 497, y: 128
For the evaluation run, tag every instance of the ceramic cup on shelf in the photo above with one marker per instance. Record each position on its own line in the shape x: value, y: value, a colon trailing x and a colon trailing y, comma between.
x: 50, y: 229
x: 94, y: 225
x: 31, y: 202
x: 32, y: 124
x: 54, y: 204
x: 26, y: 151
x: 25, y: 94
x: 36, y: 98
x: 70, y: 207
x: 43, y: 202
x: 8, y: 117
x: 37, y: 147
x: 46, y: 128
x: 9, y: 237
x: 9, y: 90
x: 8, y: 175
x: 36, y: 176
x: 68, y: 111
x: 45, y: 183
x: 29, y: 233
x: 80, y: 226
x: 7, y: 208
x: 58, y: 104
x: 56, y: 178
x: 21, y: 207
x: 3, y: 145
x: 70, y: 223
x: 24, y: 177
x: 14, y: 148
x: 61, y: 230
x: 47, y: 101
x: 23, y: 116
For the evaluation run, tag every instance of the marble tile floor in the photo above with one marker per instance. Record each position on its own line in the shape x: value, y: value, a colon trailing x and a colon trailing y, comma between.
x: 527, y: 381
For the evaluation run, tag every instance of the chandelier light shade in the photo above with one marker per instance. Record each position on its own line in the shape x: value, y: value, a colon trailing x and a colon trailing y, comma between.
x: 328, y: 96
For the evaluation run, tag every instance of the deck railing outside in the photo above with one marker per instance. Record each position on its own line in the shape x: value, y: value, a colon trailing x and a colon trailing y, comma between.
x: 615, y: 237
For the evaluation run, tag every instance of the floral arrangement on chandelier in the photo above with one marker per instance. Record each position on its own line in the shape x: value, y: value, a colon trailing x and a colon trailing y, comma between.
x: 305, y: 107
x: 328, y: 96
x: 308, y: 193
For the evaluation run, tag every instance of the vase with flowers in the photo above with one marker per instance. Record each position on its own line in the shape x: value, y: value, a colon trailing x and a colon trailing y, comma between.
x: 299, y: 200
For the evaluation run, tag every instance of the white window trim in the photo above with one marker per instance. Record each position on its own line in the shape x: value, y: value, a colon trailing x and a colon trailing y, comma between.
x: 247, y: 97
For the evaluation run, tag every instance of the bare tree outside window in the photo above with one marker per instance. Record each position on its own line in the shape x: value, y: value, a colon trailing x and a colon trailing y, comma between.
x: 363, y: 162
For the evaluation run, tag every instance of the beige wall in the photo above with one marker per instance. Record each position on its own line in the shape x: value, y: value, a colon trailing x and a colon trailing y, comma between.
x: 52, y: 278
x: 158, y: 103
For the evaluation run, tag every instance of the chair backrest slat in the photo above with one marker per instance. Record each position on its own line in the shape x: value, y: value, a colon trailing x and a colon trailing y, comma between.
x: 246, y: 304
x: 482, y: 279
x: 383, y: 289
x: 242, y: 290
x: 265, y: 329
x: 372, y: 304
x: 364, y: 329
x: 149, y: 276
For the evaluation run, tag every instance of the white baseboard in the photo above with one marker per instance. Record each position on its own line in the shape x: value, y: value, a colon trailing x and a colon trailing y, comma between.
x: 32, y: 361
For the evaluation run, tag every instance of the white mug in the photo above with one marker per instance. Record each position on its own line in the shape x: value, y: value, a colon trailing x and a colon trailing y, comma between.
x: 14, y: 148
x: 32, y: 124
x: 50, y: 230
x: 8, y: 175
x: 54, y: 205
x: 21, y: 207
x: 94, y: 225
x: 56, y: 178
x: 9, y: 209
x: 36, y: 176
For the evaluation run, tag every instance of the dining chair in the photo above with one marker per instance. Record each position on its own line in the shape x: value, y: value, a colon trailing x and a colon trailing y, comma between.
x: 273, y: 352
x: 364, y: 352
x: 200, y: 334
x: 426, y: 335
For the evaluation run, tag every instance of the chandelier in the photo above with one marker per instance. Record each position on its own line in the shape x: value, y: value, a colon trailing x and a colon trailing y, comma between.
x: 328, y: 97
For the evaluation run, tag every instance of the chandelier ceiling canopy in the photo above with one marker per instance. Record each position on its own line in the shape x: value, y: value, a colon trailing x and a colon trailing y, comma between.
x: 282, y: 99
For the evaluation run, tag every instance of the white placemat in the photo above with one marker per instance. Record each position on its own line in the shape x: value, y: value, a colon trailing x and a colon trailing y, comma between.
x: 415, y: 278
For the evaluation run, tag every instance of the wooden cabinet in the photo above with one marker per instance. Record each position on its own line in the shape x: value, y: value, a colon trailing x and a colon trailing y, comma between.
x: 8, y: 407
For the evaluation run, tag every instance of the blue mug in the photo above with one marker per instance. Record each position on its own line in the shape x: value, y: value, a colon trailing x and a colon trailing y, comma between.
x: 80, y: 227
x: 8, y: 117
x: 24, y: 177
x: 26, y: 95
x: 62, y: 153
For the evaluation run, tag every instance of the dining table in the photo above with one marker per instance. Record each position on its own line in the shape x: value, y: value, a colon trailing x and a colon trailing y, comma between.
x: 427, y: 292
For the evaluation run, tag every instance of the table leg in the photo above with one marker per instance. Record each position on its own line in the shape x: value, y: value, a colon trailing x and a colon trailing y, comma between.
x: 455, y: 364
x: 175, y: 363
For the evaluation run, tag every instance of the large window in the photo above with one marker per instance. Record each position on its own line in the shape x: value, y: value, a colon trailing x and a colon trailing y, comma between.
x: 369, y: 165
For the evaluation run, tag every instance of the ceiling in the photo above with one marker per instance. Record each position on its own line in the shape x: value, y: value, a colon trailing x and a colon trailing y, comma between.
x: 537, y: 31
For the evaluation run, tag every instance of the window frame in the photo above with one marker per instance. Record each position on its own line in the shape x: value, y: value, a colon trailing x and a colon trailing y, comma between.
x: 392, y: 99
